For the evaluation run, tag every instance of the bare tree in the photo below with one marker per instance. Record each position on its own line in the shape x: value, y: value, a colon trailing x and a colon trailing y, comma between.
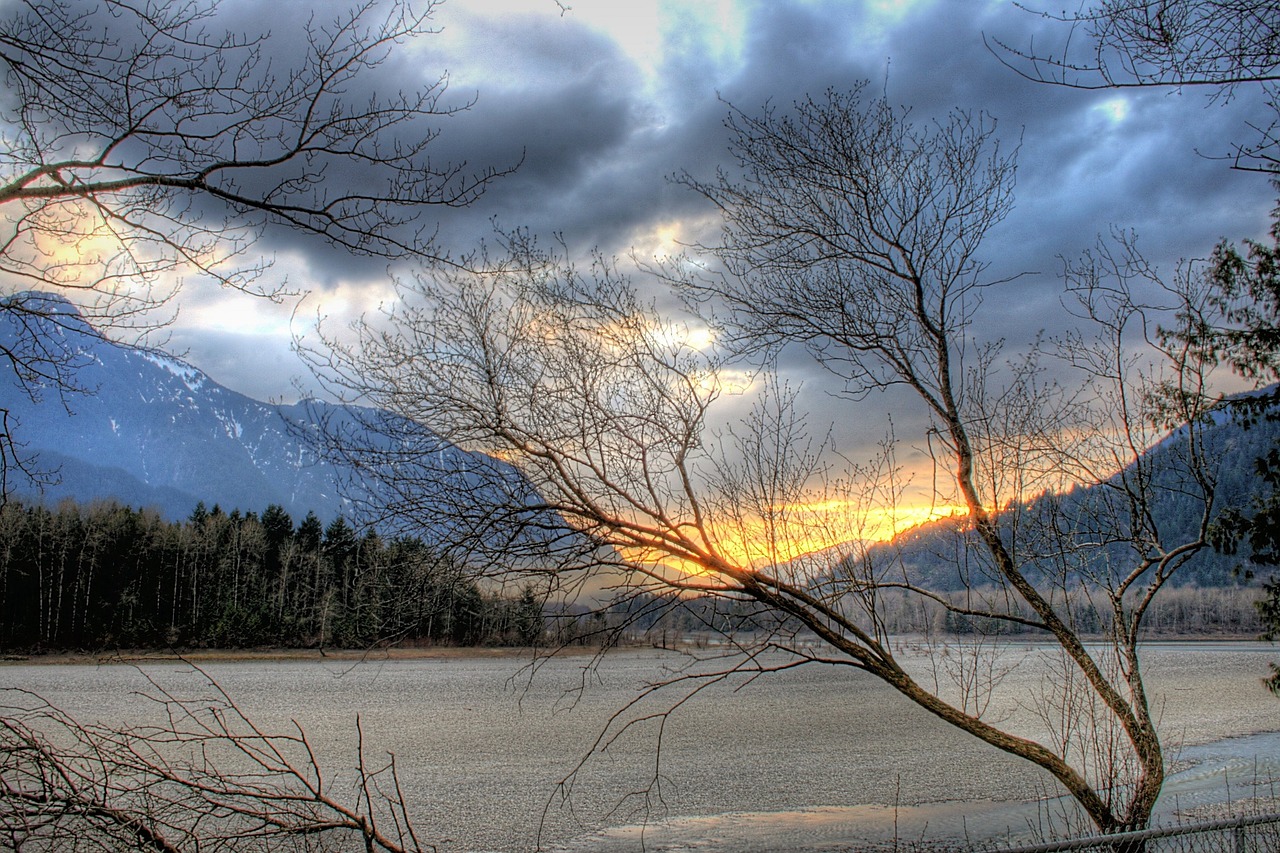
x: 1219, y: 45
x: 854, y: 233
x: 143, y: 145
x: 204, y: 777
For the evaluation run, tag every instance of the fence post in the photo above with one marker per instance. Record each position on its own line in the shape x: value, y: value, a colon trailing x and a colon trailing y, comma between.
x: 1239, y: 839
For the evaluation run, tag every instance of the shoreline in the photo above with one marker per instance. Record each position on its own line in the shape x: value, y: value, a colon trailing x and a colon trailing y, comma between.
x: 284, y: 654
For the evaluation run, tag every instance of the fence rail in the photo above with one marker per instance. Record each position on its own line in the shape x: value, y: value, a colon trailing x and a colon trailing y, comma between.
x: 1254, y: 834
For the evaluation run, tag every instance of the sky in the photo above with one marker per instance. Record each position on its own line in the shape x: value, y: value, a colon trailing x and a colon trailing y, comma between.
x: 601, y: 102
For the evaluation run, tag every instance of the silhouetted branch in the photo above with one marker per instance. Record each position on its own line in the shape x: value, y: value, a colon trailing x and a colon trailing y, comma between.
x: 205, y: 777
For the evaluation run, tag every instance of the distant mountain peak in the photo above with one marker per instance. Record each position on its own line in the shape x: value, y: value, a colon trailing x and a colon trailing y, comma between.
x: 53, y: 311
x: 156, y: 431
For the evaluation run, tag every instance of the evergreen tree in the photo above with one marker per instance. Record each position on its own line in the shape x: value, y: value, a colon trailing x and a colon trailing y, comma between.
x: 1243, y: 331
x: 309, y: 534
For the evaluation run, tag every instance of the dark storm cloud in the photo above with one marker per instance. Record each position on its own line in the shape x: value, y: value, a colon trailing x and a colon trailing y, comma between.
x: 551, y: 97
x: 598, y: 138
x: 566, y: 102
x: 562, y: 137
x: 276, y: 43
x: 595, y: 154
x: 1088, y: 161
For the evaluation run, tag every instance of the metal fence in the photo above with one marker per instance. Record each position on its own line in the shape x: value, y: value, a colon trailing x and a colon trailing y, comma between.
x: 1255, y: 834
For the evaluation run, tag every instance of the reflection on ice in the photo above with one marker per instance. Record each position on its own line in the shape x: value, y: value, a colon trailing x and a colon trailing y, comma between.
x: 1223, y: 778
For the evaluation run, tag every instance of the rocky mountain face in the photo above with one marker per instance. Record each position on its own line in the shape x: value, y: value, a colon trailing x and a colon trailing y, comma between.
x: 150, y: 430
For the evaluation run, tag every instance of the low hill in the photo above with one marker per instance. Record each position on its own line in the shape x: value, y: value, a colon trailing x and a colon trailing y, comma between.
x: 943, y: 556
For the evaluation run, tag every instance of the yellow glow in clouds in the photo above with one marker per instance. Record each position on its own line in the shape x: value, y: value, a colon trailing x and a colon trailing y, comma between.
x: 802, y: 530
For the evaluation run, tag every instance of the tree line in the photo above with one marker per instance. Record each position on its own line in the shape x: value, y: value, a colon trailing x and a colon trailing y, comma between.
x: 1182, y: 612
x: 108, y: 576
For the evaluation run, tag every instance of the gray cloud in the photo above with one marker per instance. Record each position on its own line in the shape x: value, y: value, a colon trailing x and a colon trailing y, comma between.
x: 598, y: 138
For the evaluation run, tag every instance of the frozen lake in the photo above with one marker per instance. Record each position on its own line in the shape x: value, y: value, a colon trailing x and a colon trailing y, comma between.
x: 815, y: 758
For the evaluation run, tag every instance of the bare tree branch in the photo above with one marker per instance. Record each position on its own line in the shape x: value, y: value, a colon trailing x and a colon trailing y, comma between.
x: 207, y: 777
x: 854, y: 233
x: 1218, y: 45
x: 142, y: 146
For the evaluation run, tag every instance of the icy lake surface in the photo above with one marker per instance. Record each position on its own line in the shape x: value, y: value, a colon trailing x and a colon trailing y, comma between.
x: 814, y: 758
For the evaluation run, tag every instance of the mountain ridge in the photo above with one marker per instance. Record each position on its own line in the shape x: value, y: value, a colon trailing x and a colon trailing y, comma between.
x: 149, y: 429
x: 928, y: 552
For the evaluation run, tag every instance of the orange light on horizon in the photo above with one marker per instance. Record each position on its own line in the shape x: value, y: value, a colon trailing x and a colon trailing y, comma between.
x: 806, y: 530
x: 825, y: 525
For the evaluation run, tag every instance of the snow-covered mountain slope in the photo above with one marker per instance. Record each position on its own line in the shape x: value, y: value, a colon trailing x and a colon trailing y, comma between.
x: 148, y: 429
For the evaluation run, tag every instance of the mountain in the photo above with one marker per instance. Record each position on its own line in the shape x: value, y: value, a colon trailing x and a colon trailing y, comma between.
x: 944, y: 554
x: 150, y: 430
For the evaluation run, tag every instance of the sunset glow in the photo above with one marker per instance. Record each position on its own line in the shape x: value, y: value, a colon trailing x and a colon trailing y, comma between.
x: 74, y: 236
x: 809, y: 533
x: 804, y: 531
